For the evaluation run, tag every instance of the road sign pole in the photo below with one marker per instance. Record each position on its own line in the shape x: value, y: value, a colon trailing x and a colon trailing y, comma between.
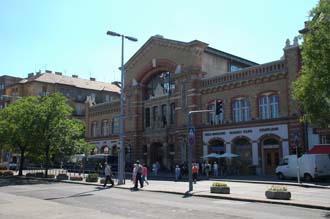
x: 296, y: 136
x: 190, y: 144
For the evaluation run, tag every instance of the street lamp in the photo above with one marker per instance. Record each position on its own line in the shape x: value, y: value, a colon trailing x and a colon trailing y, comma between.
x: 121, y: 160
x: 191, y: 141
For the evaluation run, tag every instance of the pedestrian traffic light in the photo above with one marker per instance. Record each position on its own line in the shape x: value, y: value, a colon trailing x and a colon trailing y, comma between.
x: 218, y: 107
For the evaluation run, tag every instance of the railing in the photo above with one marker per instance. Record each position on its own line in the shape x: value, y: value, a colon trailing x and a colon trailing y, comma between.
x: 246, y: 73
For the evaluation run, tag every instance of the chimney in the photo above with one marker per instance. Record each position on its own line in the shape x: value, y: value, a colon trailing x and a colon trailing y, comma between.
x: 92, y: 79
x: 58, y: 73
x: 75, y: 76
x: 30, y: 75
x: 48, y: 71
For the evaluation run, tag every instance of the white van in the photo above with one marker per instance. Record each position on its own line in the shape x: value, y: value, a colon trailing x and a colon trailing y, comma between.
x: 311, y: 166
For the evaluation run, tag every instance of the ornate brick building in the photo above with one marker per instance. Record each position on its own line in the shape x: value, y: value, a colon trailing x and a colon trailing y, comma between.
x: 166, y: 79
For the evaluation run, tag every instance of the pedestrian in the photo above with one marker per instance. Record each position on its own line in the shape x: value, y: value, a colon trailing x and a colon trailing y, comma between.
x: 177, y: 173
x: 215, y: 169
x: 194, y: 172
x: 154, y: 169
x: 138, y: 177
x: 144, y: 174
x: 134, y: 174
x: 108, y: 174
x: 207, y: 169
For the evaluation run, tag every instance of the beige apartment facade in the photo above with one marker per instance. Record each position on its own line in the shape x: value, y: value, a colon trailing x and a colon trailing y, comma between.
x: 76, y: 90
x: 167, y: 79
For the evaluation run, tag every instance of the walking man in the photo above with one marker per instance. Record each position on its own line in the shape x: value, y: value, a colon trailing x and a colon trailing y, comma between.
x: 138, y: 175
x: 108, y: 174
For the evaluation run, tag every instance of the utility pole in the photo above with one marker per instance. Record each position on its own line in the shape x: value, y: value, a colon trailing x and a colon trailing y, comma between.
x: 191, y: 142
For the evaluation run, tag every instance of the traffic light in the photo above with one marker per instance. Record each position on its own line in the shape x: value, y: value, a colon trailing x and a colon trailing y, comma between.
x: 218, y: 107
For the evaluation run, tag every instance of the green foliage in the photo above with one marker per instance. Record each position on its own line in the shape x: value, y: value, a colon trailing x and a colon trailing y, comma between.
x: 278, y: 188
x: 312, y: 88
x: 219, y: 184
x: 92, y: 177
x: 16, y: 126
x: 42, y: 129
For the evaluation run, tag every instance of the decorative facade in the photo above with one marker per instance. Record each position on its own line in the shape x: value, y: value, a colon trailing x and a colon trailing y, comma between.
x: 167, y: 79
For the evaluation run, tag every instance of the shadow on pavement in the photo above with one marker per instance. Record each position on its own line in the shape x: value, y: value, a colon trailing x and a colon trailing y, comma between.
x: 17, y: 180
x: 187, y: 194
x: 81, y: 194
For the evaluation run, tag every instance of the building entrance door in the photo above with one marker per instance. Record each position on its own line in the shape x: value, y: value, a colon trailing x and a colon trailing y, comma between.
x: 156, y: 153
x: 271, y: 156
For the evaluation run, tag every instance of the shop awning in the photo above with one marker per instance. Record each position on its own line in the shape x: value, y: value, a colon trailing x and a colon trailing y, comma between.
x: 320, y: 149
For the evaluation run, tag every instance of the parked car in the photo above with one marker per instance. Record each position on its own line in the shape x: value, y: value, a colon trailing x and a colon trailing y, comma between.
x: 12, y: 166
x: 311, y: 166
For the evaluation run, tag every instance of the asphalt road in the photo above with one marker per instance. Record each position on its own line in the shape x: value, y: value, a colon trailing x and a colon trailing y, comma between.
x: 61, y: 200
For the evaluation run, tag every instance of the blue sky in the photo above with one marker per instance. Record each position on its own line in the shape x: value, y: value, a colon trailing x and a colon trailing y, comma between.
x: 70, y: 35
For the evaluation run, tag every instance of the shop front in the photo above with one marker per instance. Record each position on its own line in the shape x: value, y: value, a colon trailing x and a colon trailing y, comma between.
x: 259, y: 148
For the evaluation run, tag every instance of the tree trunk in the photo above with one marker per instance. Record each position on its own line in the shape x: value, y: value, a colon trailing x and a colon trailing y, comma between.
x: 47, y: 161
x: 20, y: 172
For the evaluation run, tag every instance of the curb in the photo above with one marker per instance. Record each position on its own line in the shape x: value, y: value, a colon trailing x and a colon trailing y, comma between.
x: 272, y: 183
x: 236, y: 199
x: 202, y: 195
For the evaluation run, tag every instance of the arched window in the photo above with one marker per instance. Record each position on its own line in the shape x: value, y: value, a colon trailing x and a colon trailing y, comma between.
x: 160, y: 85
x: 105, y: 128
x: 95, y: 129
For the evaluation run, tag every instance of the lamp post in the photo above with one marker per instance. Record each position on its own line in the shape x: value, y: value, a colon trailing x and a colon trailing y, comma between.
x: 121, y: 160
x: 191, y: 141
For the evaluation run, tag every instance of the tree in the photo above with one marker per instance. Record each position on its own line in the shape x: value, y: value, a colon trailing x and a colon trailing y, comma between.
x: 312, y: 88
x: 60, y: 134
x: 42, y: 128
x: 16, y: 124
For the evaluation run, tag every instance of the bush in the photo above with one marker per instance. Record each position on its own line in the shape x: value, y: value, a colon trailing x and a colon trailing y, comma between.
x: 30, y: 175
x: 62, y: 176
x: 278, y: 188
x: 51, y: 176
x: 92, y: 177
x: 76, y: 178
x: 219, y: 184
x: 6, y: 173
x: 40, y: 175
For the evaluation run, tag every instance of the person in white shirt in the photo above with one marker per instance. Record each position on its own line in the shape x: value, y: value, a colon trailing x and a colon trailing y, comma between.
x: 108, y: 173
x: 215, y: 169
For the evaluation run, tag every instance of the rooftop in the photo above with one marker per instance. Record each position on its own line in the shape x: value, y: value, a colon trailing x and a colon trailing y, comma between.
x: 71, y: 81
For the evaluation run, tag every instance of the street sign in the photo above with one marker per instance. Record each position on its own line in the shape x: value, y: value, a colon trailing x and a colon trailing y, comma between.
x: 191, y: 136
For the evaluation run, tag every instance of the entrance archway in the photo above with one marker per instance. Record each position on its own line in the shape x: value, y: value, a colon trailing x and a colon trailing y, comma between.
x: 156, y: 153
x: 271, y: 155
x: 216, y: 145
x: 242, y: 146
x: 114, y: 150
x: 105, y: 150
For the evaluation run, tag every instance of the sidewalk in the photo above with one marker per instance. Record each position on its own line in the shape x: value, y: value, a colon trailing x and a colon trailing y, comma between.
x: 310, y: 197
x: 249, y: 188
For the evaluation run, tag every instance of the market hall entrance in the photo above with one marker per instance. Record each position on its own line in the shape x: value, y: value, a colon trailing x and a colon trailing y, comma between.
x: 156, y: 153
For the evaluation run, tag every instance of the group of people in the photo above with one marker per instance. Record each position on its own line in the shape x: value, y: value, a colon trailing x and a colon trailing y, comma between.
x: 204, y: 168
x: 139, y: 175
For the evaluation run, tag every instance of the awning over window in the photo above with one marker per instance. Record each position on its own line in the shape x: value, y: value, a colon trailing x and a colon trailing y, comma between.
x: 320, y: 149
